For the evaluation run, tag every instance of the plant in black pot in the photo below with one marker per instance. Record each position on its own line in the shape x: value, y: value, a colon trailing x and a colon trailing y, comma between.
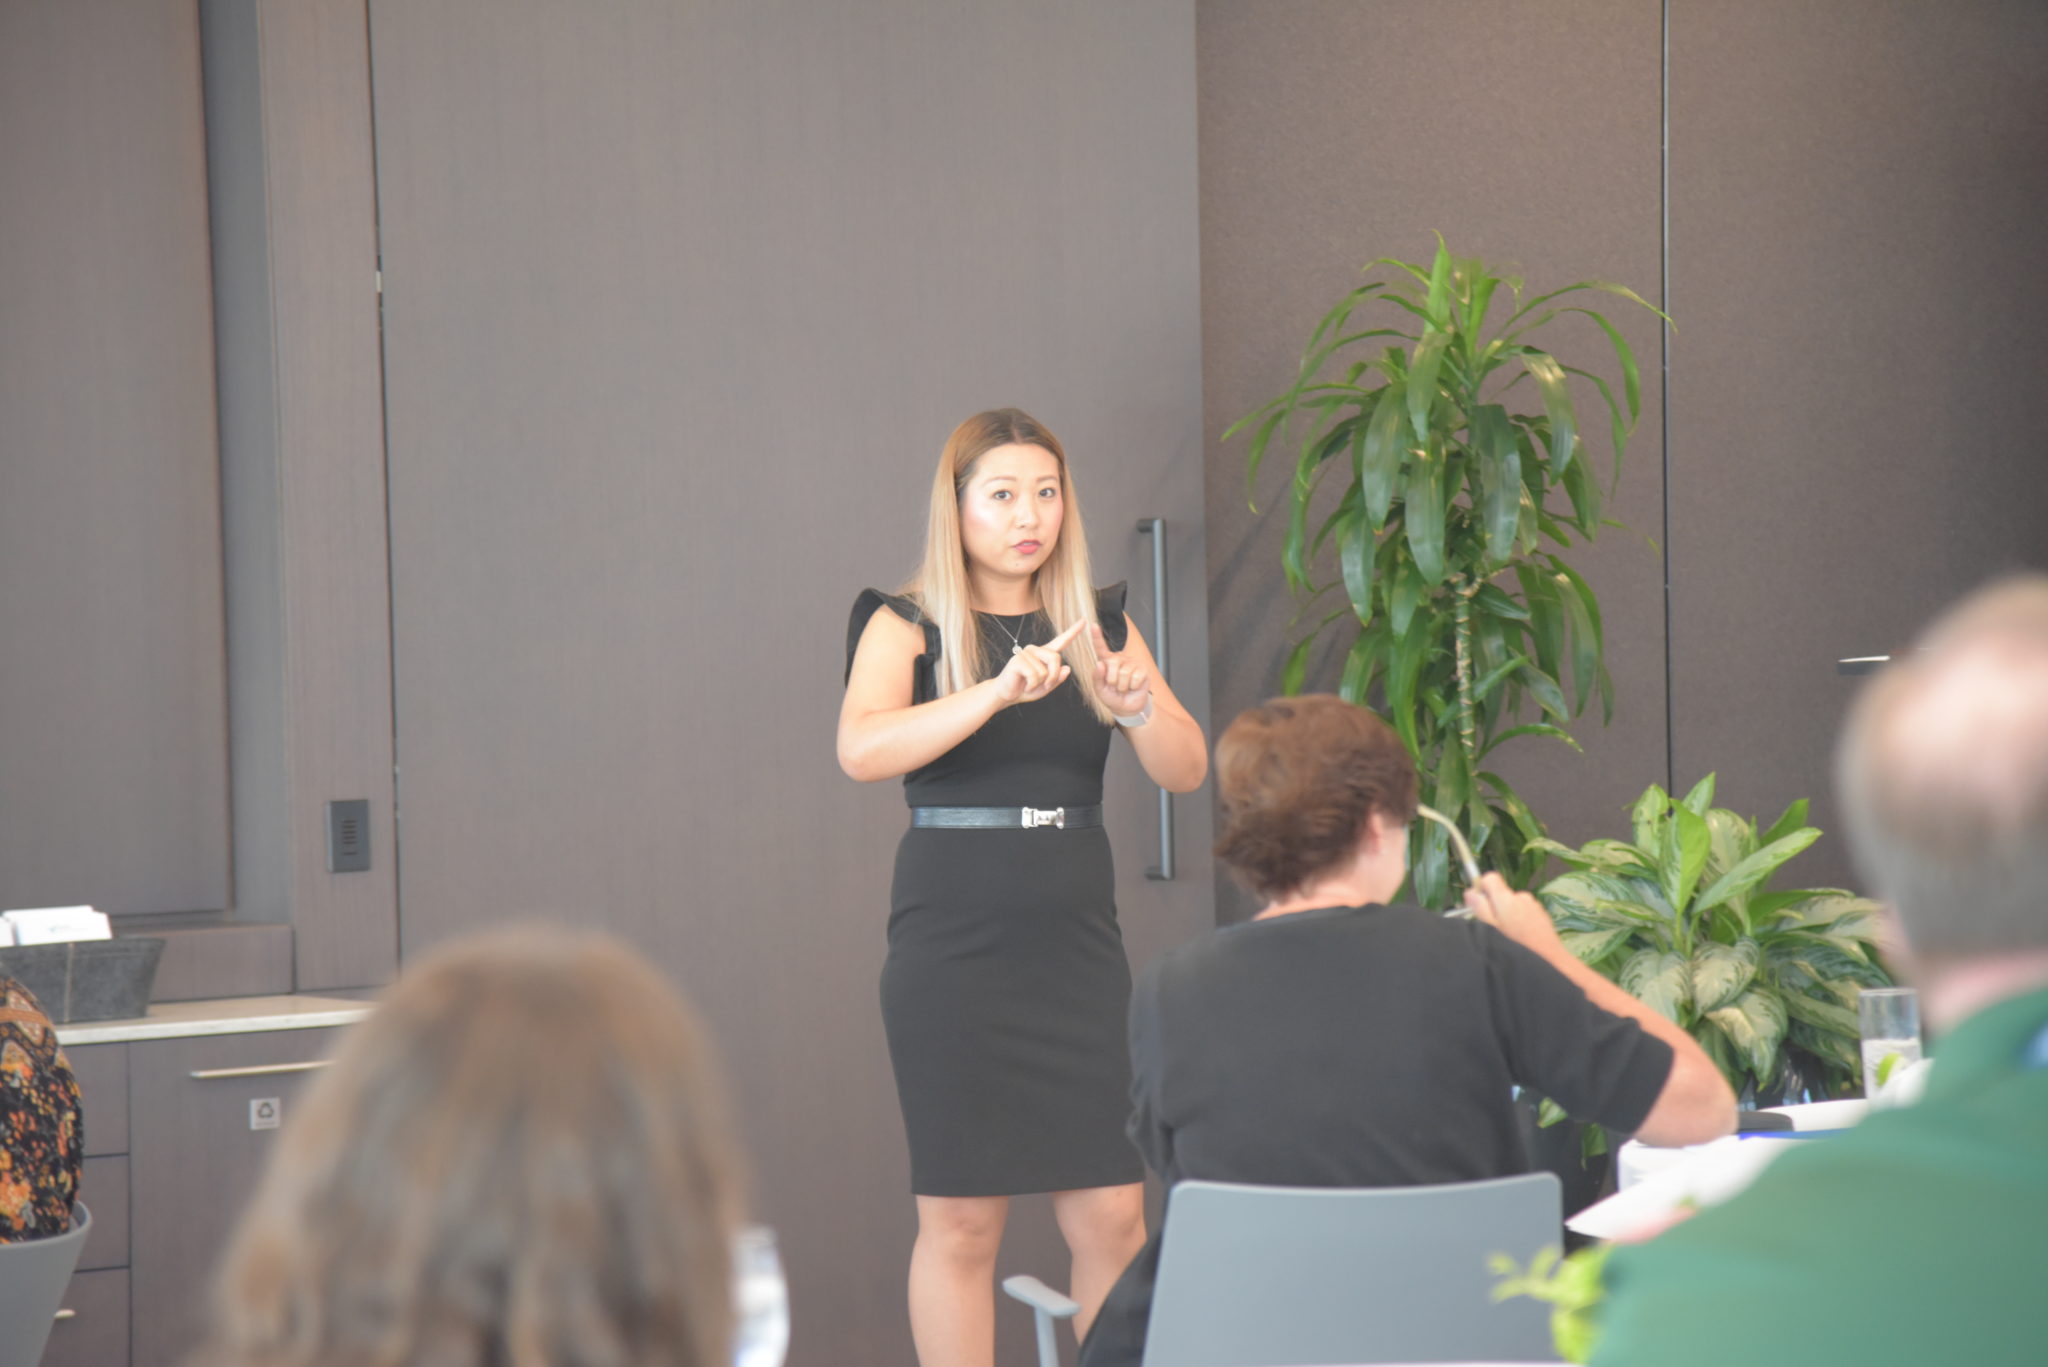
x: 1683, y: 916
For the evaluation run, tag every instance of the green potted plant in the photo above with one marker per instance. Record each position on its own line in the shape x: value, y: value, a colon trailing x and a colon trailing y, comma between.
x: 1683, y: 917
x: 1456, y: 488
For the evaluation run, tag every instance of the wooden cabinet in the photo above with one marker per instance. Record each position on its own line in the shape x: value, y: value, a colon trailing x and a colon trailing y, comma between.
x: 178, y: 1132
x: 203, y: 1113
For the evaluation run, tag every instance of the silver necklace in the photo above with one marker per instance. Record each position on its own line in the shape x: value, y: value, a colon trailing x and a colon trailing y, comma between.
x: 1016, y: 637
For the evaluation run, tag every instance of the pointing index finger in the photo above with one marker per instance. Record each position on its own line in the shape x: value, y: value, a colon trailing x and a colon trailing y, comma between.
x: 1061, y: 641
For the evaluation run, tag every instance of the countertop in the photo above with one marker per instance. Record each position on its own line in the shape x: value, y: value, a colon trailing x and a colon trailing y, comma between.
x: 228, y: 1016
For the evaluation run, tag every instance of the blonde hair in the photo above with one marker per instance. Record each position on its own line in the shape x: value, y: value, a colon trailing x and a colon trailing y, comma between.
x: 522, y: 1159
x: 1066, y: 588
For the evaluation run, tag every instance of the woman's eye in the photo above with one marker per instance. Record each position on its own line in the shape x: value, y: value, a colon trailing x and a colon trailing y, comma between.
x: 1000, y: 494
x: 1048, y: 493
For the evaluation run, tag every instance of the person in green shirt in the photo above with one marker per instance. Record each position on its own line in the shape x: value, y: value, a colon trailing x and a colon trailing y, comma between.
x: 1921, y: 1236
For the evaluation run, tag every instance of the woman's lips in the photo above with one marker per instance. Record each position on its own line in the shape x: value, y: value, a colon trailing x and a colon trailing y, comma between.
x: 1026, y: 547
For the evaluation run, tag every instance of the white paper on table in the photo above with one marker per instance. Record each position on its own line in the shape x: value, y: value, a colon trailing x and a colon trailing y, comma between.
x: 1706, y: 1176
x: 55, y: 925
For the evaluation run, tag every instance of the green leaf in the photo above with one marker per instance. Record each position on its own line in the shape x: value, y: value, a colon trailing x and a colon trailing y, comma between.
x: 1354, y: 559
x: 1500, y: 482
x: 1495, y: 603
x: 1402, y: 600
x: 1720, y: 972
x: 1292, y: 673
x: 1429, y: 357
x: 1348, y: 506
x: 1437, y: 305
x: 1379, y: 460
x: 1585, y: 647
x: 1424, y: 513
x: 1659, y: 980
x: 1546, y: 618
x: 1577, y: 585
x: 1584, y: 492
x: 1631, y: 375
x: 1739, y: 881
x: 1591, y: 946
x: 1483, y: 686
x: 1792, y: 820
x: 1544, y: 689
x: 1557, y: 405
x: 1683, y: 855
x: 1258, y: 452
x: 1733, y: 841
x: 1701, y: 799
x: 1828, y: 1016
x: 1530, y: 729
x: 1430, y: 871
x: 1648, y: 816
x: 1411, y: 651
x: 1755, y: 1024
x: 1361, y: 661
x: 1617, y: 430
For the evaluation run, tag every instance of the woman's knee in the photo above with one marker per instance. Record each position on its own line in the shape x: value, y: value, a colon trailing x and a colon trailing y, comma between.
x: 963, y: 1229
x: 1103, y: 1216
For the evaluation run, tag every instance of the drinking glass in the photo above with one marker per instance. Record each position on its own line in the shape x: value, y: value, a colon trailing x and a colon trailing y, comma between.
x: 1890, y: 1021
x: 760, y: 1300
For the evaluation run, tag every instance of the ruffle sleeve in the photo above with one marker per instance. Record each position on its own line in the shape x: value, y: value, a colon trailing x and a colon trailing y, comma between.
x: 923, y: 681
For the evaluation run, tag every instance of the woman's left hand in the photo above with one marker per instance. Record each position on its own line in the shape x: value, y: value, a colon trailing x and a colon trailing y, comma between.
x: 1125, y: 687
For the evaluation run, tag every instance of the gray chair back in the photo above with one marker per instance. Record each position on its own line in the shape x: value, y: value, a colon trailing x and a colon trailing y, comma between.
x: 33, y: 1276
x: 1289, y: 1276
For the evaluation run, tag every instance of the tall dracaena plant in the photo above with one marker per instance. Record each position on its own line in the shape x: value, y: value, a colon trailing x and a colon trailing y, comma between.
x: 1467, y: 627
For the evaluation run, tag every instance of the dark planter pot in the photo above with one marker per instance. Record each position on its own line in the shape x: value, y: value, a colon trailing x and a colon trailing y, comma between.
x: 1560, y: 1149
x: 87, y: 980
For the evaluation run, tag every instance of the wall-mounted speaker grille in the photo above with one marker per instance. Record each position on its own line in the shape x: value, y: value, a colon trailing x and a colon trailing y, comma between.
x: 348, y: 835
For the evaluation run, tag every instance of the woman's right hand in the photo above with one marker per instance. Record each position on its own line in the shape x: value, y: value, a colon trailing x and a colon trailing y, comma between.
x: 1036, y: 670
x: 1516, y: 915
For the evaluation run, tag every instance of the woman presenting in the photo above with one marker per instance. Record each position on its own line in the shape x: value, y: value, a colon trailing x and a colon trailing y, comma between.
x: 992, y: 686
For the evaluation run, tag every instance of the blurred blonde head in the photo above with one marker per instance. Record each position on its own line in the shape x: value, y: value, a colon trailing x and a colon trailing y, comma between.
x: 1943, y: 777
x: 522, y: 1159
x: 1066, y: 587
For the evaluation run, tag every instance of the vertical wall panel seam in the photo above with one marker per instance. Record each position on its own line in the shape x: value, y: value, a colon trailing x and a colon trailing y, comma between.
x: 1664, y: 371
x: 390, y: 533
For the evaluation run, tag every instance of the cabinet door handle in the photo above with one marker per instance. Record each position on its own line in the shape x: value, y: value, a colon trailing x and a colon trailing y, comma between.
x: 259, y: 1069
x: 67, y: 1314
x: 1155, y: 527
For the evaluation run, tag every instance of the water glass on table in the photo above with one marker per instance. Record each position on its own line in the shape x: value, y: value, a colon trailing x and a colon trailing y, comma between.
x: 760, y: 1300
x: 1890, y: 1021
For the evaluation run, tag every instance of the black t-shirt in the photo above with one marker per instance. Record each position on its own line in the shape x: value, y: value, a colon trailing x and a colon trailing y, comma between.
x: 1357, y: 1047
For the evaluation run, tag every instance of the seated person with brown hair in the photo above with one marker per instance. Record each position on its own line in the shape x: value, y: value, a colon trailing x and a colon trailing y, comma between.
x: 523, y: 1157
x: 42, y: 1141
x: 1337, y: 1041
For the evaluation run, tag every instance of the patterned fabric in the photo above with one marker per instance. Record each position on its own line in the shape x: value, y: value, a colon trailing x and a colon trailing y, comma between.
x: 42, y: 1138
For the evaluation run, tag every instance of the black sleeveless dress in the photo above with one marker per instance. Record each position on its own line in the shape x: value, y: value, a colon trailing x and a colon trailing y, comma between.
x: 1006, y: 991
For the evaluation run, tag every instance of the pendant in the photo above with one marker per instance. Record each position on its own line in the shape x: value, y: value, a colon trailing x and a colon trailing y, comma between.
x: 1016, y: 649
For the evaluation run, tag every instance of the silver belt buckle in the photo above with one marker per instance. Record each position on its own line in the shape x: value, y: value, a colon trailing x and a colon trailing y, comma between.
x: 1035, y: 816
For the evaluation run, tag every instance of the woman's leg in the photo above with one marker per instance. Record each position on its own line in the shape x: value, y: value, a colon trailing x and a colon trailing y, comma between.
x: 1104, y: 1228
x: 953, y: 1279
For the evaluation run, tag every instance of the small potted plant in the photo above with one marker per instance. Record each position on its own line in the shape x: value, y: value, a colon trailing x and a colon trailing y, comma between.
x: 1683, y: 917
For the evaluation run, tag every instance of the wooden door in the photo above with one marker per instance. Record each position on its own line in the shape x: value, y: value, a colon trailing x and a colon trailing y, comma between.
x: 680, y: 304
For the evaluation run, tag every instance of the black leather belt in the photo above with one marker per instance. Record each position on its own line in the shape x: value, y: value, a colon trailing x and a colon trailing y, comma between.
x: 1007, y: 818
